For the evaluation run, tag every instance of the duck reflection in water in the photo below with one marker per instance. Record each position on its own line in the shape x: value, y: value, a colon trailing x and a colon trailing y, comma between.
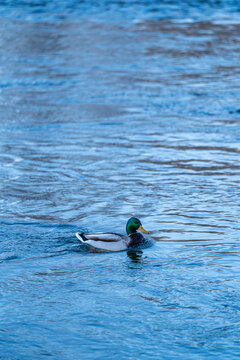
x: 135, y: 256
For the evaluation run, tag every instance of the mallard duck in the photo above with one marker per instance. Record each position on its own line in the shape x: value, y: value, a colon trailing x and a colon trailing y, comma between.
x: 113, y: 241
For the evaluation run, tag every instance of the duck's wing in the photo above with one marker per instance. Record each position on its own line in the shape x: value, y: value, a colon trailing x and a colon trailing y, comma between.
x: 104, y: 241
x: 107, y: 237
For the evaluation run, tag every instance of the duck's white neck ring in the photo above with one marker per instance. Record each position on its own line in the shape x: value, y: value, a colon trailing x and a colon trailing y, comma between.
x: 132, y: 233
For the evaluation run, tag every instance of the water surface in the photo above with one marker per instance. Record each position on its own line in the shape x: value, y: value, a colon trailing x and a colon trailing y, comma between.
x: 110, y: 110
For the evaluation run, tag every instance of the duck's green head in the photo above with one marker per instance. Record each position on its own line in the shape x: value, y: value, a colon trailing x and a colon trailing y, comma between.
x: 133, y: 225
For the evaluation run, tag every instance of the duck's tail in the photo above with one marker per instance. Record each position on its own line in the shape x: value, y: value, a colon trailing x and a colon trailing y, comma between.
x: 81, y: 236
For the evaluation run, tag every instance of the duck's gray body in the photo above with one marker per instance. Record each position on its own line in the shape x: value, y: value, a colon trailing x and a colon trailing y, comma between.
x: 110, y: 241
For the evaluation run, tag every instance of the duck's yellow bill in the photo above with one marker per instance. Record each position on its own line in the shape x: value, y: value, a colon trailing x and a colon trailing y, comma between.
x: 142, y: 229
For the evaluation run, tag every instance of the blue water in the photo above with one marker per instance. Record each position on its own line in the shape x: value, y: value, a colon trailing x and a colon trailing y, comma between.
x: 112, y: 109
